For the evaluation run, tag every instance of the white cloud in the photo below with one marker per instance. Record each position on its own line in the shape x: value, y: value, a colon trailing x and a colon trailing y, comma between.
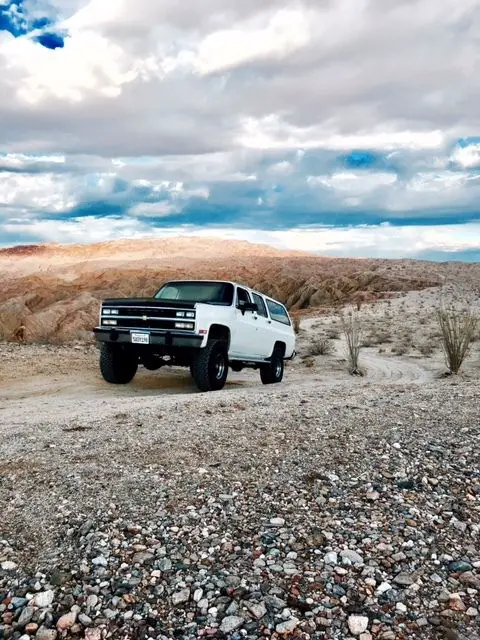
x: 21, y: 160
x: 354, y: 183
x: 467, y: 157
x: 272, y: 132
x: 283, y: 32
x: 38, y: 192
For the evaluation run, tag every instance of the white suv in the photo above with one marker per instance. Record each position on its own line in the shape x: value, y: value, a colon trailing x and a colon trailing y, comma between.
x: 205, y: 325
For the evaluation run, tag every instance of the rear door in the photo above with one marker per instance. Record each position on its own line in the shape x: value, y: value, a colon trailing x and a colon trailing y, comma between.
x: 266, y: 337
x: 281, y: 326
x: 244, y: 340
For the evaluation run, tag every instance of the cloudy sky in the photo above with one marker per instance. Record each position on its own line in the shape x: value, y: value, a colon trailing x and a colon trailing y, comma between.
x: 348, y: 127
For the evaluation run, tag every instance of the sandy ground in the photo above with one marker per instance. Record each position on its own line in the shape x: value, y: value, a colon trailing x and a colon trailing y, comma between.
x: 79, y: 454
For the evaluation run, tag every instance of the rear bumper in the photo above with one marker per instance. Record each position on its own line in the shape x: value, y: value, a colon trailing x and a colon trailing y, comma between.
x: 160, y: 338
x: 293, y: 356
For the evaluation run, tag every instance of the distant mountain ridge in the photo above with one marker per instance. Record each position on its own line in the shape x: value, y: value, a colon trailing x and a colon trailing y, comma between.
x: 55, y: 290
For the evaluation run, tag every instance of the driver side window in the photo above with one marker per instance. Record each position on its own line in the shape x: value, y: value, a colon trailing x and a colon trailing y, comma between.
x: 242, y: 297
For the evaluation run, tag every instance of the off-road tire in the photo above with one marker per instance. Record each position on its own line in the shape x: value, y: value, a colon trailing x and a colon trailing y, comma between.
x: 209, y: 369
x: 117, y: 365
x: 272, y: 373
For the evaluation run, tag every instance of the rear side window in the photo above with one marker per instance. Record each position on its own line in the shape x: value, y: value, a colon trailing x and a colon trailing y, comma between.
x: 262, y: 309
x: 278, y: 312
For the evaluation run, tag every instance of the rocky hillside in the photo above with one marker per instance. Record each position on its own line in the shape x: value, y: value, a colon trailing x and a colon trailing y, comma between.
x: 54, y: 291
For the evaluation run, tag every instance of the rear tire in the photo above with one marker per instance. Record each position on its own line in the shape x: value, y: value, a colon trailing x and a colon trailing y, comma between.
x: 210, y: 367
x: 272, y: 373
x: 117, y: 365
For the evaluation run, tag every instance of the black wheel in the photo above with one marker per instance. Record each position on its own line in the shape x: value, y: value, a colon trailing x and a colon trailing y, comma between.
x: 117, y: 365
x: 272, y: 372
x: 210, y: 367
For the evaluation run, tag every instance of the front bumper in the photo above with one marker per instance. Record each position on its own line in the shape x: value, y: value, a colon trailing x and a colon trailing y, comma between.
x: 160, y: 338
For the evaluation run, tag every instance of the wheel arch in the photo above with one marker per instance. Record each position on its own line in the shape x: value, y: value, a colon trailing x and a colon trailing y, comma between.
x: 219, y: 332
x: 279, y: 346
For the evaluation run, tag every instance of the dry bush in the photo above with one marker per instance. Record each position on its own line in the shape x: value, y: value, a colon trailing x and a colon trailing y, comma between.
x: 321, y: 347
x: 401, y: 349
x: 332, y: 333
x: 353, y: 332
x: 296, y: 324
x: 458, y: 328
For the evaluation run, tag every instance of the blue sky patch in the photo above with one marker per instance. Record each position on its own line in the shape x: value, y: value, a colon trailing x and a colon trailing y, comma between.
x: 16, y: 20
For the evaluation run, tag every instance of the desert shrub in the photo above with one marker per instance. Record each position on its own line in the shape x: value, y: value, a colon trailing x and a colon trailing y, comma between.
x: 296, y: 324
x: 458, y: 328
x: 309, y: 362
x: 352, y: 330
x: 321, y: 347
x: 400, y: 349
x: 332, y: 333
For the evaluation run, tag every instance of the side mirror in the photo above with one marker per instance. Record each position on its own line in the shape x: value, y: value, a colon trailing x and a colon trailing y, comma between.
x: 247, y: 306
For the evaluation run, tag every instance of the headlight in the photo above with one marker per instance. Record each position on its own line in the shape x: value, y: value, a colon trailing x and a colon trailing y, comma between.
x: 190, y: 314
x: 184, y: 325
x: 180, y: 314
x: 114, y: 312
x: 111, y: 323
x: 106, y: 312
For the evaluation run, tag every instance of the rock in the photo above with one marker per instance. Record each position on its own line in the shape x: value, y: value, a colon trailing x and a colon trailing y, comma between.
x: 277, y: 522
x: 84, y: 619
x: 456, y: 603
x: 46, y: 634
x: 25, y: 616
x: 198, y: 595
x: 287, y: 627
x: 404, y: 580
x: 8, y: 565
x: 459, y: 566
x: 357, y: 624
x: 93, y: 634
x: 181, y: 597
x: 141, y: 557
x: 92, y: 601
x: 384, y: 587
x: 331, y: 558
x: 31, y: 627
x: 401, y: 608
x: 44, y: 599
x: 471, y: 612
x: 257, y: 610
x: 164, y: 564
x: 100, y: 561
x: 351, y: 557
x: 67, y: 621
x: 365, y: 636
x: 231, y: 623
x: 372, y: 496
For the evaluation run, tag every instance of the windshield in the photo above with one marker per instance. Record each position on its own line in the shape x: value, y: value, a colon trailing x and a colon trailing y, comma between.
x: 207, y: 292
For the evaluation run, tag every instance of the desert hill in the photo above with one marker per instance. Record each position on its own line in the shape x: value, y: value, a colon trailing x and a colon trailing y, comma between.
x: 55, y: 290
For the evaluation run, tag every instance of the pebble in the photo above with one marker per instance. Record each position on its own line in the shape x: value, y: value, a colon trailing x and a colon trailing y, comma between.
x: 357, y: 624
x: 287, y: 627
x: 181, y: 597
x: 67, y: 621
x: 231, y: 623
x: 331, y: 558
x: 8, y: 565
x: 351, y: 557
x: 44, y: 599
x: 277, y: 522
x: 46, y: 634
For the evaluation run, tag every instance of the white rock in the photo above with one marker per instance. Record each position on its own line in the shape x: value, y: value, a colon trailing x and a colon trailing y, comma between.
x: 351, y: 557
x: 230, y: 623
x: 198, y: 595
x: 384, y: 587
x: 277, y: 522
x: 181, y: 597
x: 357, y: 624
x: 100, y: 561
x: 331, y: 558
x: 93, y: 634
x: 44, y: 599
x: 284, y: 628
x: 8, y: 565
x: 401, y: 607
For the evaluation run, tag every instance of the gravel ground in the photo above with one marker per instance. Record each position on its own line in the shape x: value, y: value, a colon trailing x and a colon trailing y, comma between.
x: 325, y: 507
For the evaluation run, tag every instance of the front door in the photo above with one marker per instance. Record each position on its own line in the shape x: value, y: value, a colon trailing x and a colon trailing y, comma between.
x: 244, y: 342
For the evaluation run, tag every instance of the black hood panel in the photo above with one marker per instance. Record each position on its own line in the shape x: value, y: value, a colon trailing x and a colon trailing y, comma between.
x: 148, y: 302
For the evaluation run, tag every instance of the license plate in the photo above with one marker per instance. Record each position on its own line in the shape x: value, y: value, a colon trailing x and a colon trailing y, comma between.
x: 140, y: 338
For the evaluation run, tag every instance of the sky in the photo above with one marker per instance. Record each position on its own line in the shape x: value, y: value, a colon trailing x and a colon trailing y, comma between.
x: 344, y: 127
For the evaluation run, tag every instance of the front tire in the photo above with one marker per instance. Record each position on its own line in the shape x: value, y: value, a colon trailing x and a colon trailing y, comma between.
x: 210, y: 367
x: 272, y: 373
x: 117, y: 365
